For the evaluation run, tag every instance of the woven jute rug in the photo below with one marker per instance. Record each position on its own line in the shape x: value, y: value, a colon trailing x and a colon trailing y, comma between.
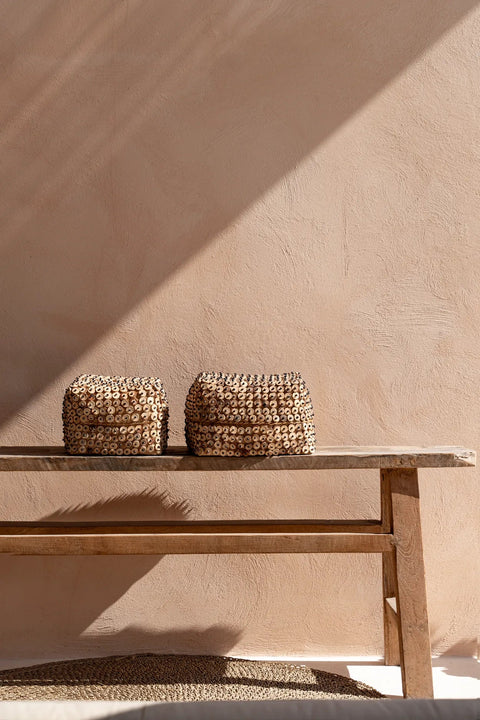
x: 175, y: 678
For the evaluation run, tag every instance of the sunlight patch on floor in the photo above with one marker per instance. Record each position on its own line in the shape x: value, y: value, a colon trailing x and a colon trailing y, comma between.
x: 453, y: 677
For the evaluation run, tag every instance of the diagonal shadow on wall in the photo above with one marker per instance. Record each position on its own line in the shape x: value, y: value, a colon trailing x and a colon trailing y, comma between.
x: 134, y: 132
x: 51, y: 602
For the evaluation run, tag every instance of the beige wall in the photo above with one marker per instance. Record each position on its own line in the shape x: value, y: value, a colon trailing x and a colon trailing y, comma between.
x: 243, y: 186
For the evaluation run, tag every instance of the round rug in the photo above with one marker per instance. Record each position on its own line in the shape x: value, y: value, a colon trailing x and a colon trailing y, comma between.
x: 175, y: 678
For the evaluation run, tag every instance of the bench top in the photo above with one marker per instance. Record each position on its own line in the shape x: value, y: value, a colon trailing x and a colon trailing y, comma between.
x: 178, y: 458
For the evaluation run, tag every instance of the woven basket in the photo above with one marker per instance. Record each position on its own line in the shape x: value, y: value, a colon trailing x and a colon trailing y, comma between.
x: 230, y: 414
x: 115, y: 416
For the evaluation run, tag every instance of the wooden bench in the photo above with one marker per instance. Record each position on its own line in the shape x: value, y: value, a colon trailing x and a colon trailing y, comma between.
x: 397, y: 534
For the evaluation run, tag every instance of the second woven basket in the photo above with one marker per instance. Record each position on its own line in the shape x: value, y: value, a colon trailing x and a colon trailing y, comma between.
x: 231, y: 414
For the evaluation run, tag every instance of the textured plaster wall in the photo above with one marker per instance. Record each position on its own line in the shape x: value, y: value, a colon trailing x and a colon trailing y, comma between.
x: 249, y: 187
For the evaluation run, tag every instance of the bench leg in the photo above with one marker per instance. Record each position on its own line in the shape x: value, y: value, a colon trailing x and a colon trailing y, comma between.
x: 415, y: 651
x: 390, y: 614
x: 389, y: 579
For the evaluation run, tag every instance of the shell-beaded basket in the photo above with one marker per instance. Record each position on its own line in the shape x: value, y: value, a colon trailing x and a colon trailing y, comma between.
x: 105, y: 415
x: 231, y: 414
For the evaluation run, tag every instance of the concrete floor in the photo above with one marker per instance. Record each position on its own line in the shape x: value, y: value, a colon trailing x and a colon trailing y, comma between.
x: 453, y: 677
